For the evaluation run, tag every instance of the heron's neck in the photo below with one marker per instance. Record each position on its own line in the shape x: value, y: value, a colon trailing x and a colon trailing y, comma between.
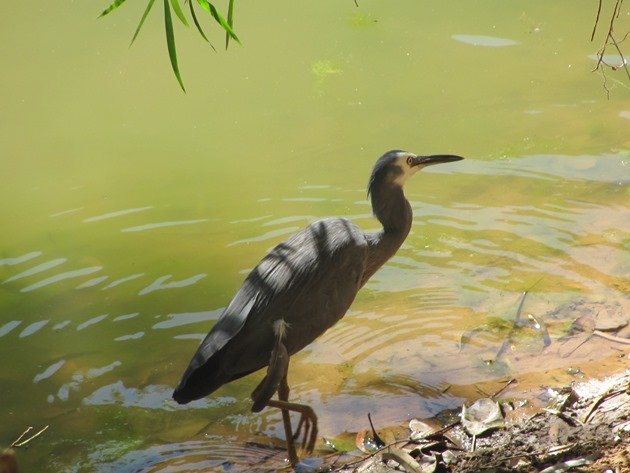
x: 392, y: 209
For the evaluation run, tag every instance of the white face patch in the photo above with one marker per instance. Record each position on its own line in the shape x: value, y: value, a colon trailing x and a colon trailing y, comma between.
x: 407, y: 170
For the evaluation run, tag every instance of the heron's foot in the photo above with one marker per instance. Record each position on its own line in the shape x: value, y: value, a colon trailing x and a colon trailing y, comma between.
x: 308, y: 422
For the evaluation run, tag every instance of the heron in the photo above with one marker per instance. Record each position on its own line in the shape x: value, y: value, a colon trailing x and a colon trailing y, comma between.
x: 300, y: 289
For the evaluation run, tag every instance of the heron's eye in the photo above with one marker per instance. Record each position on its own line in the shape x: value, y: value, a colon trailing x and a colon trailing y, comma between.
x: 409, y: 160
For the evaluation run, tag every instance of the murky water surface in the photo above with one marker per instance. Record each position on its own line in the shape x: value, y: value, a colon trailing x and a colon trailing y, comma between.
x: 131, y: 213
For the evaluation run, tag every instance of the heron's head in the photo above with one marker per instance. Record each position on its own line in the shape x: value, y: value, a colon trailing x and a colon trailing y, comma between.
x: 396, y: 166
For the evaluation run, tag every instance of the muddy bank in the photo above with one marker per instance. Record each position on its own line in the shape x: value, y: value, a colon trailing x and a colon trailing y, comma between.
x: 586, y: 425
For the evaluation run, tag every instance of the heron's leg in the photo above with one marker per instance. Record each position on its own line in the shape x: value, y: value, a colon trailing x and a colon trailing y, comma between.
x: 308, y: 419
x: 276, y: 380
x: 277, y: 370
x: 283, y: 391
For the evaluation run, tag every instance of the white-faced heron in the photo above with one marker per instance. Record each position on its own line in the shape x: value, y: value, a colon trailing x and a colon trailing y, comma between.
x: 297, y: 292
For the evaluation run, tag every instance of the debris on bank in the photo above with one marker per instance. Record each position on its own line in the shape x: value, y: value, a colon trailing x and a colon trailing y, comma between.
x: 585, y: 426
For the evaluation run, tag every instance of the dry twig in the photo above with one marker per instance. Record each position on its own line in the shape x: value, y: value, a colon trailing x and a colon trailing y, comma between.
x: 17, y: 442
x: 608, y: 41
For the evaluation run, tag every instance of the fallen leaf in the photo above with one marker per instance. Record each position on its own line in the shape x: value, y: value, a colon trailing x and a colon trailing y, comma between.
x: 485, y: 414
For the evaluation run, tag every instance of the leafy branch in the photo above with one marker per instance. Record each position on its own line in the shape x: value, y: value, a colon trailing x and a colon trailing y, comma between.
x: 174, y: 5
x: 610, y: 40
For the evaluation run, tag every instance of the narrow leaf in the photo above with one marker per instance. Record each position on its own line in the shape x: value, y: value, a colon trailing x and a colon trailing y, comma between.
x: 178, y: 11
x: 112, y: 7
x: 194, y: 17
x: 209, y: 7
x: 170, y: 41
x: 230, y: 22
x: 144, y: 17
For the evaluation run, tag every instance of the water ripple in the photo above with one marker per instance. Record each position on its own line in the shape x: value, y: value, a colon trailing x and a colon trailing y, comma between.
x: 120, y: 281
x: 266, y: 236
x: 488, y: 41
x: 118, y: 213
x: 159, y: 285
x: 9, y: 326
x: 37, y: 269
x: 92, y: 282
x: 20, y: 259
x: 65, y: 212
x: 60, y: 277
x: 153, y: 226
x: 34, y: 327
x: 148, y: 397
x: 48, y: 372
x: 126, y: 316
x: 92, y: 321
x: 216, y: 454
x: 187, y: 318
x: 131, y: 336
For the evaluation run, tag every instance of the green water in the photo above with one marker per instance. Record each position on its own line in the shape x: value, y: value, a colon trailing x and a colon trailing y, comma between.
x: 132, y: 212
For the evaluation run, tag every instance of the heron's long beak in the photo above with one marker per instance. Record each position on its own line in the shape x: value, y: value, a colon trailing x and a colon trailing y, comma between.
x: 435, y: 159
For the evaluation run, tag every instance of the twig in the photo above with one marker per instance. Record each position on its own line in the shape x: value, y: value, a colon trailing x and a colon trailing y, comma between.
x: 613, y: 338
x: 513, y: 380
x: 28, y: 429
x: 517, y: 321
x: 609, y: 39
x: 375, y: 436
x: 371, y: 455
x: 599, y: 10
x: 598, y: 401
x: 481, y: 391
x: 623, y: 59
x: 17, y: 443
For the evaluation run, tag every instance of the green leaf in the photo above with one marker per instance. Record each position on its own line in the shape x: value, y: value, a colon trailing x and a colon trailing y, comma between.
x: 170, y: 41
x: 209, y: 7
x: 194, y: 17
x: 178, y: 11
x: 230, y: 22
x: 112, y: 7
x: 144, y: 17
